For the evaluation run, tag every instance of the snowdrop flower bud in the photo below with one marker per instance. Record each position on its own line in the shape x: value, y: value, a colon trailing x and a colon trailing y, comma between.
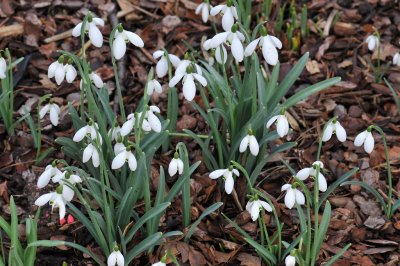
x: 334, y: 127
x: 3, y: 67
x: 229, y: 14
x: 204, y: 9
x: 90, y: 130
x: 96, y: 80
x: 70, y: 71
x: 162, y: 64
x: 91, y: 26
x: 123, y: 156
x: 121, y: 38
x: 116, y: 258
x: 57, y: 70
x: 91, y: 152
x: 249, y: 141
x: 54, y: 112
x: 227, y: 175
x: 153, y: 86
x: 254, y: 207
x: 268, y: 46
x: 282, y: 124
x: 55, y: 199
x: 312, y: 171
x: 293, y: 195
x: 373, y: 42
x: 176, y: 165
x: 50, y: 171
x: 396, y: 59
x: 290, y: 260
x: 365, y: 138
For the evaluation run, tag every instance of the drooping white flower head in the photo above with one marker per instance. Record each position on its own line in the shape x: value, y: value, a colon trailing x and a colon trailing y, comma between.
x: 96, y: 80
x: 396, y: 59
x: 121, y: 38
x: 176, y: 165
x: 124, y: 155
x: 65, y: 179
x: 227, y: 175
x: 95, y: 35
x: 373, y: 42
x: 303, y: 174
x: 114, y: 132
x: 229, y: 14
x: 254, y: 207
x: 54, y: 111
x: 50, y: 171
x: 290, y: 260
x: 365, y: 138
x: 153, y: 86
x: 334, y: 127
x: 249, y: 141
x: 3, y: 68
x: 91, y: 152
x: 118, y: 147
x: 116, y: 258
x: 55, y: 199
x: 89, y: 130
x: 204, y: 9
x: 188, y: 72
x: 57, y: 70
x: 293, y: 195
x: 162, y: 64
x: 268, y: 44
x: 150, y: 121
x: 282, y: 124
x: 70, y: 72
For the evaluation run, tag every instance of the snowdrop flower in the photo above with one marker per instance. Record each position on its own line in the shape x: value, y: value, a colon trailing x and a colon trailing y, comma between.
x: 249, y: 141
x: 54, y: 112
x: 121, y: 38
x: 396, y: 59
x: 227, y: 175
x: 91, y: 26
x: 204, y: 8
x: 153, y: 86
x: 114, y: 132
x: 116, y: 258
x: 176, y: 165
x: 334, y: 127
x: 162, y: 64
x: 90, y: 152
x: 118, y: 147
x: 160, y: 263
x: 188, y: 72
x: 365, y: 138
x: 290, y: 260
x: 282, y: 124
x: 268, y: 46
x: 96, y: 79
x: 293, y: 195
x: 312, y: 171
x: 50, y: 171
x: 124, y: 155
x: 373, y: 42
x: 72, y: 179
x: 130, y: 122
x: 254, y: 207
x: 90, y: 130
x: 57, y: 70
x: 55, y: 199
x: 229, y: 14
x: 70, y: 71
x: 3, y: 67
x: 220, y: 53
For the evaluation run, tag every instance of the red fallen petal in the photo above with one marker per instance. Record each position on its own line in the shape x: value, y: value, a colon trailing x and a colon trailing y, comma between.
x: 70, y: 219
x: 62, y: 221
x: 47, y: 215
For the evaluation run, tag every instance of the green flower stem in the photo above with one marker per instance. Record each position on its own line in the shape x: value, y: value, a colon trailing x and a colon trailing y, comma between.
x: 316, y: 218
x: 184, y: 135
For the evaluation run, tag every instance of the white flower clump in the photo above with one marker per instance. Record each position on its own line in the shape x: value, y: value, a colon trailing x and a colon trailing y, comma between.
x: 116, y: 258
x: 153, y: 86
x: 365, y: 138
x: 162, y: 64
x: 176, y: 165
x: 90, y: 130
x: 121, y: 38
x: 227, y: 175
x: 91, y: 27
x: 3, y: 68
x: 293, y: 195
x: 254, y: 207
x: 373, y: 42
x: 249, y: 141
x: 54, y: 111
x: 229, y: 14
x: 204, y: 9
x: 124, y: 155
x: 312, y: 171
x: 334, y: 127
x: 50, y: 171
x: 268, y: 44
x: 59, y: 71
x: 150, y: 121
x: 282, y: 124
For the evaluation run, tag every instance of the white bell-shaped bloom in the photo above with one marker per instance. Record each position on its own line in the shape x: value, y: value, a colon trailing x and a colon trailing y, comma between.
x: 130, y: 123
x: 54, y: 110
x: 303, y: 174
x: 121, y: 38
x: 228, y: 17
x: 334, y: 127
x: 269, y: 45
x: 186, y: 72
x: 367, y: 139
x: 96, y: 79
x: 290, y: 260
x: 249, y: 141
x: 373, y: 42
x: 89, y: 130
x: 55, y: 199
x: 293, y: 195
x: 175, y: 166
x: 162, y: 64
x: 154, y: 121
x: 116, y: 258
x: 282, y: 124
x: 227, y: 175
x: 396, y: 59
x: 90, y: 152
x: 72, y: 179
x: 70, y: 73
x: 95, y: 35
x: 118, y: 147
x: 3, y: 68
x: 123, y: 156
x: 49, y: 172
x: 254, y: 207
x: 57, y: 70
x: 153, y: 86
x: 204, y: 9
x: 114, y: 131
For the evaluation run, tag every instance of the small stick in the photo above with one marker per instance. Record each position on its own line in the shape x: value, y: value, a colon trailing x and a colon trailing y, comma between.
x: 236, y: 200
x: 59, y: 36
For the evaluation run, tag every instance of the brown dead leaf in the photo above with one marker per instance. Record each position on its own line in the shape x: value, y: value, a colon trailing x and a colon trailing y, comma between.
x: 4, y: 192
x: 312, y: 67
x: 248, y: 260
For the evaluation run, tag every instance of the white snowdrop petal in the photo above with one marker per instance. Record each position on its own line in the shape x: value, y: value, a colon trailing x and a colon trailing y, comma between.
x: 237, y: 49
x: 44, y: 110
x: 119, y: 47
x: 219, y: 39
x: 251, y: 47
x: 98, y: 22
x: 75, y: 179
x: 189, y: 88
x: 282, y: 126
x: 162, y: 67
x: 87, y: 153
x: 266, y: 206
x: 154, y: 123
x: 340, y: 132
x: 155, y: 109
x: 248, y: 205
x: 244, y: 143
x: 173, y: 167
x: 59, y: 74
x: 97, y: 80
x: 217, y: 173
x: 198, y: 9
x: 112, y: 259
x: 286, y: 187
x: 216, y: 9
x: 204, y: 13
x: 77, y: 30
x: 119, y: 160
x: 157, y: 54
x: 67, y: 193
x: 328, y: 132
x: 175, y: 80
x: 95, y: 35
x: 303, y: 174
x: 369, y: 143
x: 54, y: 115
x: 95, y: 158
x: 120, y: 259
x: 359, y: 140
x: 290, y: 198
x: 180, y: 166
x: 396, y: 59
x: 275, y: 41
x: 127, y: 127
x: 42, y: 200
x: 322, y: 185
x: 61, y: 207
x: 290, y: 260
x: 269, y: 52
x: 227, y: 20
x: 175, y: 61
x: 236, y: 172
x: 132, y: 163
x: 299, y: 197
x: 200, y: 79
x: 229, y: 183
x: 70, y: 74
x: 52, y: 69
x: 44, y: 178
x: 253, y: 144
x: 255, y: 210
x: 134, y: 39
x: 221, y: 57
x: 272, y: 120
